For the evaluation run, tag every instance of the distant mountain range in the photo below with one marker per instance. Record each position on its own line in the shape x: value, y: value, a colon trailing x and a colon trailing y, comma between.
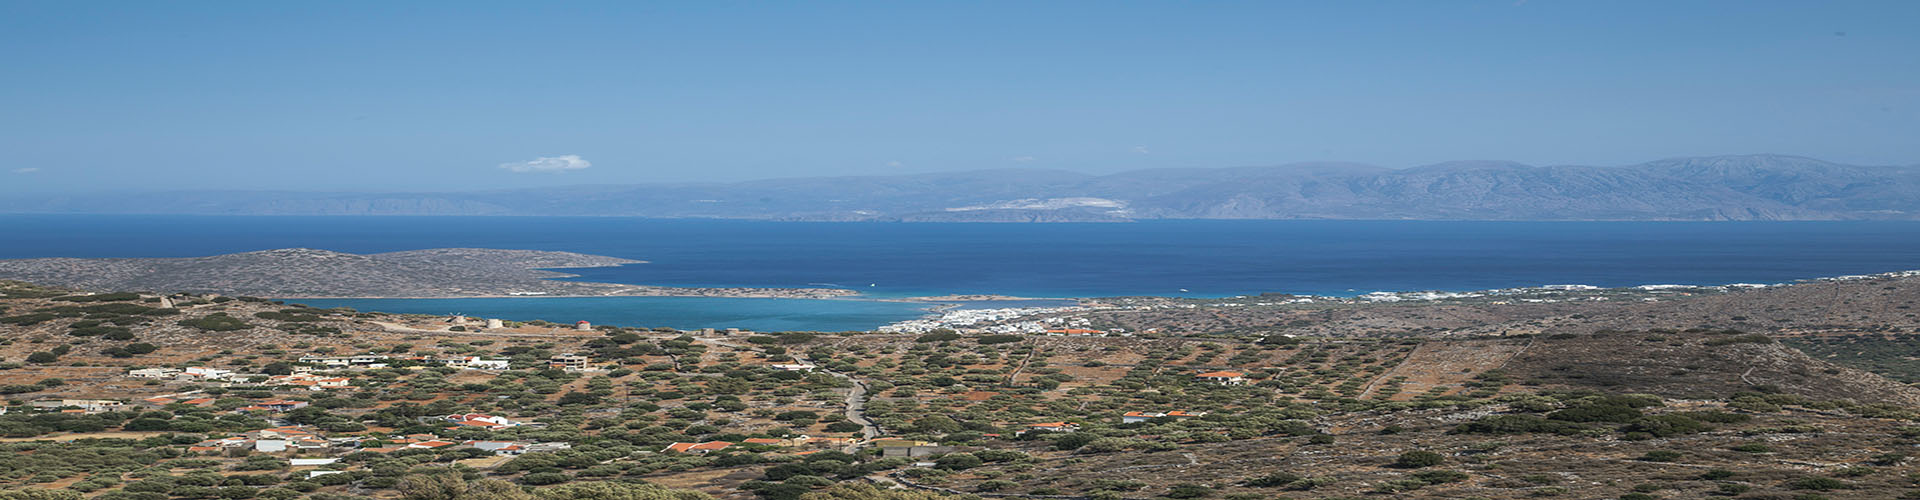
x: 1746, y: 187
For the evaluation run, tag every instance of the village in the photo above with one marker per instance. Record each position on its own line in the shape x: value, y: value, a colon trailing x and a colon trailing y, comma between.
x: 340, y: 402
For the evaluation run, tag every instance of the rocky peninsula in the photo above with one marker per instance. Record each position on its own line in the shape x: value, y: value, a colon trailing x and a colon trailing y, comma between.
x: 304, y: 272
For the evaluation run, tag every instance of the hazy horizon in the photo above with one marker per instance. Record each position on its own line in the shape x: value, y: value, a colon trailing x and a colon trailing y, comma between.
x: 435, y: 97
x: 958, y: 171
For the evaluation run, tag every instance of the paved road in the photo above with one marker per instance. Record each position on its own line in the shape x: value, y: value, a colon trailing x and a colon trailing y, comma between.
x: 856, y: 399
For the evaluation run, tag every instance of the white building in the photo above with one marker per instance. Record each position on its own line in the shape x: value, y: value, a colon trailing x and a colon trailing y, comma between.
x: 153, y: 373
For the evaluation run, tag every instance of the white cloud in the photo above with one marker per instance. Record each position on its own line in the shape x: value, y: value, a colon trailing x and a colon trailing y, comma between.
x: 894, y: 164
x: 27, y: 170
x: 1141, y: 150
x: 1024, y: 159
x: 553, y: 164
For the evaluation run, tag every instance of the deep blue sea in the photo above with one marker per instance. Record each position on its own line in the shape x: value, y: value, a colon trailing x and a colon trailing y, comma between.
x: 1204, y: 258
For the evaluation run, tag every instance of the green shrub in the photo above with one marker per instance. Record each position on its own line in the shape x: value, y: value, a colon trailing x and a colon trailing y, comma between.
x: 1743, y: 339
x: 1817, y: 483
x: 941, y: 335
x: 1666, y: 425
x: 1189, y: 490
x: 1440, y: 476
x: 1417, y: 459
x: 1274, y: 480
x: 216, y: 322
x: 1660, y: 456
x: 1518, y: 424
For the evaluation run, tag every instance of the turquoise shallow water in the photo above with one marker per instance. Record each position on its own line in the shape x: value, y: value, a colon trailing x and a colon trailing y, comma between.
x: 676, y: 312
x: 1211, y: 258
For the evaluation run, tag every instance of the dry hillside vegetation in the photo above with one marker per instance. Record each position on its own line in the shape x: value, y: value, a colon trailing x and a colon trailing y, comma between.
x: 1586, y: 399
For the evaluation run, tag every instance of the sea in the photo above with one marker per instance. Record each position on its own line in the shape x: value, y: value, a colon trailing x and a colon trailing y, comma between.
x: 889, y: 261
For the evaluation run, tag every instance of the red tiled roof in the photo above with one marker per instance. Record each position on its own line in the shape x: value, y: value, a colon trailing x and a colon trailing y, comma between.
x: 707, y: 446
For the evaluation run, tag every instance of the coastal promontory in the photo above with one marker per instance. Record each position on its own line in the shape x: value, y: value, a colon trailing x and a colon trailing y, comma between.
x: 304, y: 272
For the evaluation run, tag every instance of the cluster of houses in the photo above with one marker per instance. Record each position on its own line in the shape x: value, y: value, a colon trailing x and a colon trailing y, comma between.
x: 89, y: 406
x: 77, y: 405
x: 360, y: 361
x: 190, y: 374
x: 294, y: 439
x: 365, y: 361
x: 311, y: 381
x: 301, y: 440
x: 302, y: 377
x: 706, y: 447
x: 267, y: 406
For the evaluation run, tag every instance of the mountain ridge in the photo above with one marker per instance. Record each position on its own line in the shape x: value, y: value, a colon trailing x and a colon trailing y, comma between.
x: 1709, y: 188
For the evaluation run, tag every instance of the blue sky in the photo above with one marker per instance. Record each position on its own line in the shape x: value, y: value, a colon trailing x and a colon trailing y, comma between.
x: 480, y: 95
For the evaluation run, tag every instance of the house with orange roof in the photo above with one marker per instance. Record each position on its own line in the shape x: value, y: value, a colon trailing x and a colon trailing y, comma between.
x: 697, y: 448
x: 1223, y: 378
x: 431, y: 444
x: 1051, y: 427
x: 479, y: 420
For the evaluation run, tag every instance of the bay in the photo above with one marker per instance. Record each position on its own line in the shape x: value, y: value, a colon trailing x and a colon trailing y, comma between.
x: 1202, y: 258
